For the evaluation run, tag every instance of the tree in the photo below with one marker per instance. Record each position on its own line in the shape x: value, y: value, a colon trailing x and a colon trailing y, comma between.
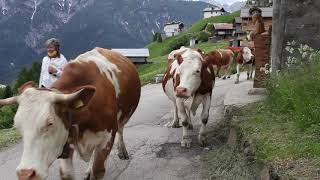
x: 26, y: 75
x: 7, y: 92
x: 157, y: 37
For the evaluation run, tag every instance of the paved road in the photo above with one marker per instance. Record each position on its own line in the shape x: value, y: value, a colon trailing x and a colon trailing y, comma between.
x: 154, y: 150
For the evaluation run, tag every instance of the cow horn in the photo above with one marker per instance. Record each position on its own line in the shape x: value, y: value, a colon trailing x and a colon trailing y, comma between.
x: 8, y: 101
x: 66, y: 97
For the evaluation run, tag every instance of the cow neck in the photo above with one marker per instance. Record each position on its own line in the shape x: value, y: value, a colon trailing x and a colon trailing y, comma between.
x: 74, y: 133
x: 72, y: 127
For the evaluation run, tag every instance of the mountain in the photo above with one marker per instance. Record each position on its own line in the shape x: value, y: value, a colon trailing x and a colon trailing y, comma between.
x: 236, y: 6
x: 82, y: 25
x: 228, y: 5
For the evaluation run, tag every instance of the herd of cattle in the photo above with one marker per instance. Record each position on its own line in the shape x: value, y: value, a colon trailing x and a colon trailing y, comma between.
x: 89, y: 105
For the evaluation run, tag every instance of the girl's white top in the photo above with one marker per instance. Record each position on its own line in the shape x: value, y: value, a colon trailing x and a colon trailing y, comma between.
x: 47, y: 79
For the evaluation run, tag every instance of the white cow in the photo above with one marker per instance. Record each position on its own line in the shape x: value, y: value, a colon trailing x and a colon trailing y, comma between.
x: 245, y: 58
x: 188, y: 82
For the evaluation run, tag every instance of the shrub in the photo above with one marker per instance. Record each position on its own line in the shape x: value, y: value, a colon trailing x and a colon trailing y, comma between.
x: 6, y: 116
x: 157, y: 37
x: 209, y: 28
x: 203, y: 36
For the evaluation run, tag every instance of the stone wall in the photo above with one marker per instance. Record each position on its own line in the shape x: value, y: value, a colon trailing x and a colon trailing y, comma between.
x: 294, y: 20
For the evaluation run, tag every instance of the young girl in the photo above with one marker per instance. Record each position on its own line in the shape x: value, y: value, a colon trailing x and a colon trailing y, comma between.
x: 52, y: 64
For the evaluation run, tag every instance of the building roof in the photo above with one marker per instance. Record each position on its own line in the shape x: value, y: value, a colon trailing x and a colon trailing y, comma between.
x: 238, y: 20
x: 173, y: 23
x: 222, y: 26
x: 144, y: 52
x: 266, y: 12
x: 213, y: 9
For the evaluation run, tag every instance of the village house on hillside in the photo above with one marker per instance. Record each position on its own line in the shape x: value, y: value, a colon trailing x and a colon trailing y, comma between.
x: 223, y: 30
x: 246, y: 17
x: 213, y: 11
x: 173, y: 28
x: 137, y: 56
x: 237, y: 23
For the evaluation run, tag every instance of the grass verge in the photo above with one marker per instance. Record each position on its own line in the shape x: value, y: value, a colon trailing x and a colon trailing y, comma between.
x: 295, y: 154
x: 8, y: 136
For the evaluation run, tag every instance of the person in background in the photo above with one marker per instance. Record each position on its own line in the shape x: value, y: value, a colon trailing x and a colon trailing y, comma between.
x: 52, y: 64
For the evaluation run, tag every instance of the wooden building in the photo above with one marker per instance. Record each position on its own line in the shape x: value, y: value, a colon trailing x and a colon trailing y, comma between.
x: 137, y: 56
x: 237, y: 24
x: 223, y: 30
x: 248, y: 26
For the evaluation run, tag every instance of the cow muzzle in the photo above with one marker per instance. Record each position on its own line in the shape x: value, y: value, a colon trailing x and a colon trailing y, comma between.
x: 182, y: 92
x: 28, y: 174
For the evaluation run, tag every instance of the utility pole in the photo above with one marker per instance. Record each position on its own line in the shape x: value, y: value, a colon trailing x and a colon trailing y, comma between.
x: 278, y: 32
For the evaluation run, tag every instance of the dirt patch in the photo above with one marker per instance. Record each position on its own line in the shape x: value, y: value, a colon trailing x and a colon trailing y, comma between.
x: 216, y: 138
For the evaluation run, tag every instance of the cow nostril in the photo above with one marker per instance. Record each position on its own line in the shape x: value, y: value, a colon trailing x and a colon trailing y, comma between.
x: 26, y: 174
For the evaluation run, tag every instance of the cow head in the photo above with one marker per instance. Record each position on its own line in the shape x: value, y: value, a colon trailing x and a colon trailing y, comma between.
x: 188, y: 74
x: 44, y: 132
x: 247, y: 54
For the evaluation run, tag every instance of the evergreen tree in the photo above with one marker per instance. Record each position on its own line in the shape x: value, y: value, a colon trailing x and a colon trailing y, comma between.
x: 7, y: 92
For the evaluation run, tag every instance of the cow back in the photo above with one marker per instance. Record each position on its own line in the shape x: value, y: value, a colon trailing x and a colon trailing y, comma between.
x: 117, y: 88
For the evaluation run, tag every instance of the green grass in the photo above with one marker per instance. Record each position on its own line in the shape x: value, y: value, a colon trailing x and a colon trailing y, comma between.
x: 8, y: 136
x: 286, y: 127
x: 279, y: 141
x: 224, y: 163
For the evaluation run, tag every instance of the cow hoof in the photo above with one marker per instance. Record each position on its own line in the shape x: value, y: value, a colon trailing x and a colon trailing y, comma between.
x: 203, y: 141
x: 248, y: 78
x: 186, y: 143
x: 229, y: 77
x: 224, y: 78
x: 175, y: 124
x: 91, y: 177
x: 65, y: 176
x: 123, y: 155
x: 237, y: 82
x: 190, y: 126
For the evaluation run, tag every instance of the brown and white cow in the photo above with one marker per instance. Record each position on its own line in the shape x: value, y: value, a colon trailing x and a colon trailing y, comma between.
x: 188, y: 82
x: 222, y: 58
x: 245, y: 58
x: 91, y: 102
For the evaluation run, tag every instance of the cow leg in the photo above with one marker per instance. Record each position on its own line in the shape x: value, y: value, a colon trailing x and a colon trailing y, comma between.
x: 175, y: 122
x: 227, y: 74
x: 248, y: 71
x: 122, y: 150
x: 218, y: 71
x: 251, y: 72
x: 96, y: 169
x: 66, y: 167
x: 238, y: 73
x: 204, y: 120
x: 186, y: 128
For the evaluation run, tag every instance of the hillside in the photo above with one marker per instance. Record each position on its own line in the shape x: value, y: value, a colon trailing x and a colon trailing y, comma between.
x: 82, y: 25
x: 159, y: 51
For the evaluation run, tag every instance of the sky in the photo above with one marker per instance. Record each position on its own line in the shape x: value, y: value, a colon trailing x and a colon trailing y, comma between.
x: 228, y: 1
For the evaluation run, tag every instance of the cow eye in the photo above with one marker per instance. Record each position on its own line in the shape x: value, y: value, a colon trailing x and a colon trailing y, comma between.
x: 198, y: 71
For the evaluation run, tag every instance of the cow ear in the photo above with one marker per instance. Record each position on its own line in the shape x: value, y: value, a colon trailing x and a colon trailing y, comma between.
x: 77, y: 100
x: 29, y: 84
x: 179, y: 58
